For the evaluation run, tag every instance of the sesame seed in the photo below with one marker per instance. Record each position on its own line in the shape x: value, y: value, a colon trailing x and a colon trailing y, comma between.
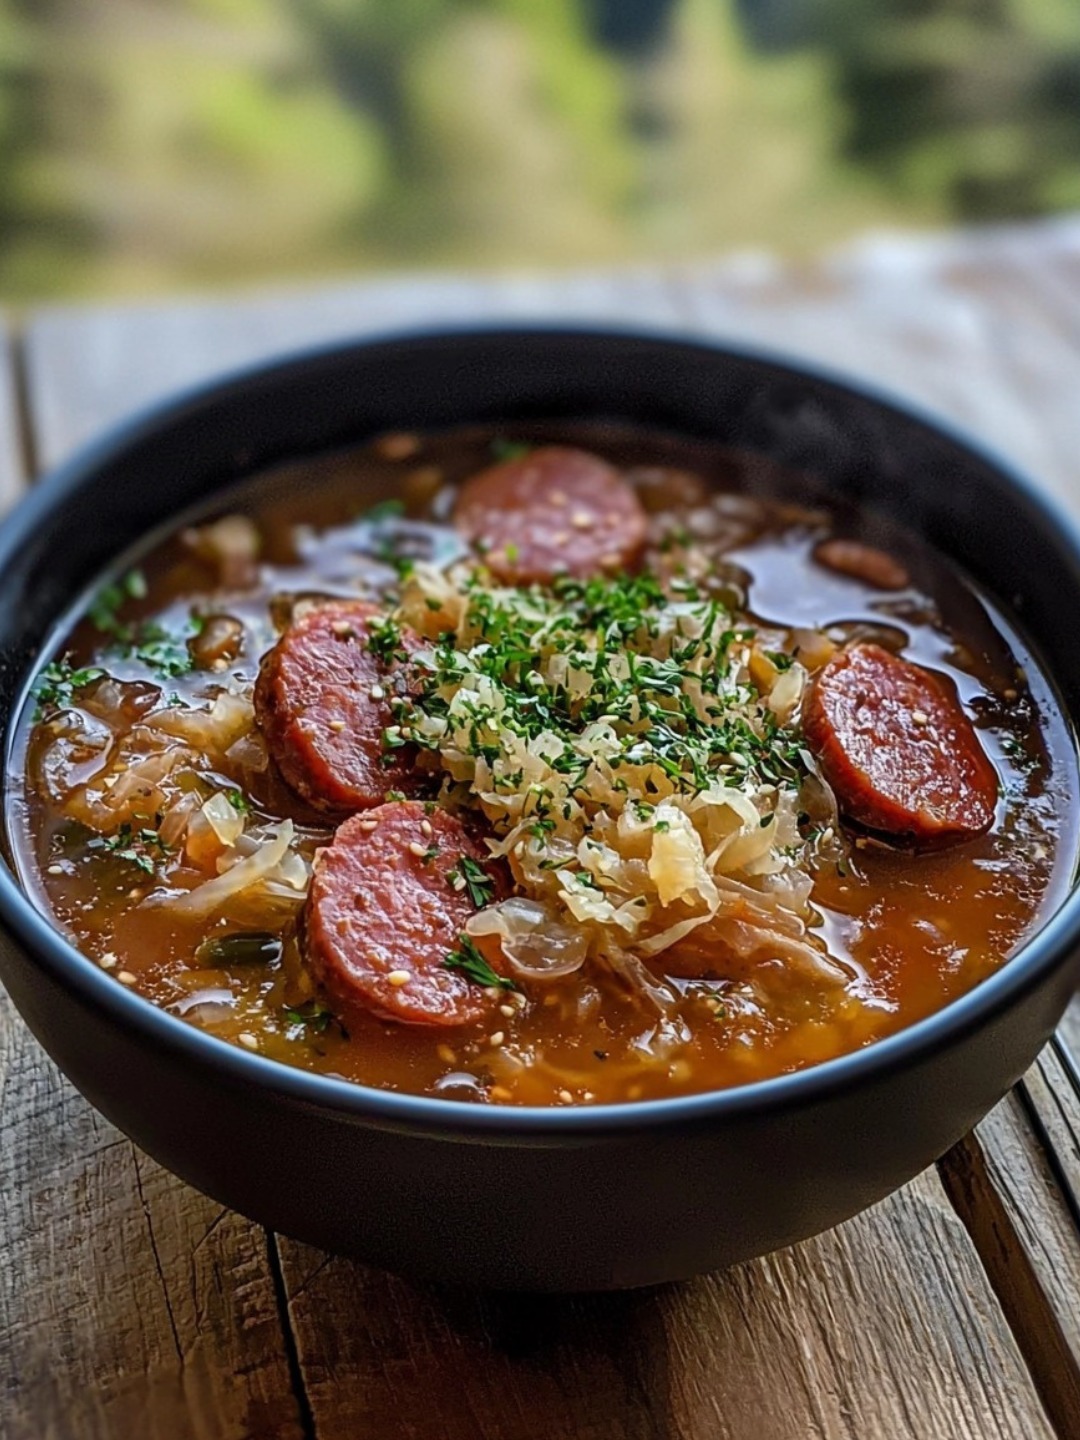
x: 587, y: 1095
x: 507, y: 1010
x: 566, y: 1097
x: 136, y: 894
x: 337, y: 726
x: 342, y: 629
x: 368, y: 825
x: 249, y: 1041
x: 497, y: 1039
x: 126, y: 977
x: 219, y: 665
x: 920, y: 717
x: 415, y: 848
x: 446, y: 1055
x: 398, y: 978
x: 425, y: 829
x: 377, y: 692
x: 581, y: 520
x: 1010, y: 694
x: 396, y: 446
x: 107, y: 961
x: 56, y: 869
x: 499, y: 1092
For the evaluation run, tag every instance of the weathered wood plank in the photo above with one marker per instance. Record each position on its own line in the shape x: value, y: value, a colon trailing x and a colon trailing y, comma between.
x: 885, y: 1327
x: 1003, y: 1185
x: 878, y: 310
x: 130, y: 1305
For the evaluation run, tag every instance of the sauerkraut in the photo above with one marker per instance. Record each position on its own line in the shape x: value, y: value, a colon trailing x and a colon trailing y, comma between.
x: 636, y: 754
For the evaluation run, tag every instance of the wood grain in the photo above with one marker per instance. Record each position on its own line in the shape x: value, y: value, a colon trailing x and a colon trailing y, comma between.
x: 130, y: 1305
x: 1004, y: 1183
x: 889, y: 1326
x: 885, y: 1327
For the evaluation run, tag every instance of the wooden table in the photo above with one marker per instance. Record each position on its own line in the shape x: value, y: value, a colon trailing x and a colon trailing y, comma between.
x: 131, y: 1306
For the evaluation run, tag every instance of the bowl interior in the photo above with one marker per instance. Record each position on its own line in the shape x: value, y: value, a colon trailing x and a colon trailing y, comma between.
x: 970, y: 506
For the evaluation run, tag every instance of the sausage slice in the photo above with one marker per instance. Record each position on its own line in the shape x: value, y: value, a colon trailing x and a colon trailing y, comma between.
x: 898, y: 749
x: 320, y: 702
x: 556, y: 511
x: 383, y: 914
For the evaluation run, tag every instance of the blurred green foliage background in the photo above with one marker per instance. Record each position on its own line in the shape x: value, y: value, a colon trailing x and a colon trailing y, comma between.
x: 147, y: 144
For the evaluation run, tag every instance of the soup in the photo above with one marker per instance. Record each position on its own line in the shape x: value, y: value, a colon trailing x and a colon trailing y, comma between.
x: 569, y: 765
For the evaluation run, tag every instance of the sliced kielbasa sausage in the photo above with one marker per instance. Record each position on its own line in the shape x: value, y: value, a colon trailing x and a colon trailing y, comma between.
x: 898, y: 749
x: 384, y: 913
x: 321, y: 704
x: 555, y: 511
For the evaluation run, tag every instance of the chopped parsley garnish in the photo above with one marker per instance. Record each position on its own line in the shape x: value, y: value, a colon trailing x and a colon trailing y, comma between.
x: 468, y: 874
x: 239, y: 801
x: 657, y: 677
x: 384, y: 510
x: 55, y: 687
x: 163, y: 651
x: 143, y: 848
x: 313, y: 1016
x: 105, y: 610
x: 468, y: 959
x: 503, y: 449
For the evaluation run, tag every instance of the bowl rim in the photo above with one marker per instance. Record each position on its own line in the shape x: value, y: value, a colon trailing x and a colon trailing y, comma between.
x: 461, y: 1120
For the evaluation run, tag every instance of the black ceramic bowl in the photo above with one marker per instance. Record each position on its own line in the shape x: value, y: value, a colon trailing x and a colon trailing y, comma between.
x: 564, y: 1199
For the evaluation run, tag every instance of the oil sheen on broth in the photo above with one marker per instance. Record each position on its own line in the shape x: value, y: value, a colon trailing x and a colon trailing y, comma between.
x: 699, y: 884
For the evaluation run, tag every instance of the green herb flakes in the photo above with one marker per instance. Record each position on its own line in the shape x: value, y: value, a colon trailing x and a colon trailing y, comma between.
x: 57, y: 684
x: 468, y: 874
x: 468, y: 959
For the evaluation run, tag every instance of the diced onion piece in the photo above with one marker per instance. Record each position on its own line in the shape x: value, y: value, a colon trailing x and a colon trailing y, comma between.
x: 211, y: 895
x: 677, y: 862
x: 226, y: 823
x: 214, y: 729
x: 787, y: 692
x: 535, y: 944
x: 212, y: 1002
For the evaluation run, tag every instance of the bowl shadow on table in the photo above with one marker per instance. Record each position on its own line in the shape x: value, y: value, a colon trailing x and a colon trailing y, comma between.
x: 441, y: 1361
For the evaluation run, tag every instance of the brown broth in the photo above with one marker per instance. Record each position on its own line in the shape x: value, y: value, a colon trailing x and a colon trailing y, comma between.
x: 915, y: 930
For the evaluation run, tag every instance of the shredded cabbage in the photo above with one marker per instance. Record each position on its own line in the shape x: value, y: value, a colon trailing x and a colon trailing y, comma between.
x: 635, y: 752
